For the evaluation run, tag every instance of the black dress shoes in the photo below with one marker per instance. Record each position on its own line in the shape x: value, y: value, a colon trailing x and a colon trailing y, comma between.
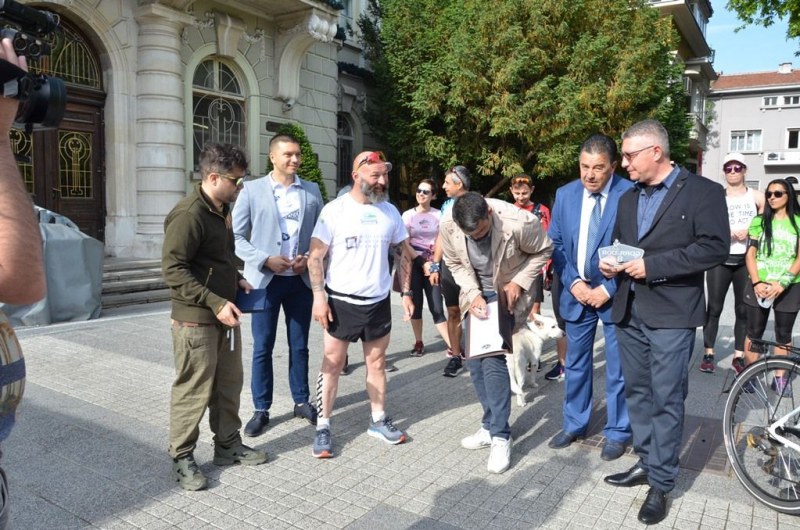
x: 307, y: 411
x: 654, y: 509
x: 562, y: 439
x: 257, y: 424
x: 635, y: 476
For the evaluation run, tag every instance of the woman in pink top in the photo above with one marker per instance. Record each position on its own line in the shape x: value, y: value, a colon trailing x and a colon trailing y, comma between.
x: 422, y: 223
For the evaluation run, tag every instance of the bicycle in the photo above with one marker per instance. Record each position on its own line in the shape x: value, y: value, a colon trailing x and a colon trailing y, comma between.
x: 761, y: 427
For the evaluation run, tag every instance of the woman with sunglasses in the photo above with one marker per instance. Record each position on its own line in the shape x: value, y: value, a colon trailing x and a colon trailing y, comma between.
x: 743, y: 205
x: 422, y: 223
x: 773, y: 263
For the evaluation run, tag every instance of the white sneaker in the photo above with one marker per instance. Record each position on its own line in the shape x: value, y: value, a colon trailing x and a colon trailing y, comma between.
x: 500, y: 457
x: 479, y: 440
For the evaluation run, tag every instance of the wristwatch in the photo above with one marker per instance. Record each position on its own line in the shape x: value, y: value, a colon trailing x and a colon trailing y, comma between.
x: 407, y: 293
x: 434, y: 267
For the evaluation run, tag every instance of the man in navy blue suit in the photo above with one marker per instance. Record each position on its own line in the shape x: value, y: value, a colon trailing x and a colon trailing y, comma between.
x: 582, y: 221
x: 680, y: 220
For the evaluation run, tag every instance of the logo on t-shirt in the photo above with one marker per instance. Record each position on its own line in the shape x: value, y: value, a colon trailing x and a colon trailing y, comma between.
x: 369, y: 218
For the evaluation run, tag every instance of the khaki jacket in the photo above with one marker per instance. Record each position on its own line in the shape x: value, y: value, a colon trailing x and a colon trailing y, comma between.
x: 520, y: 248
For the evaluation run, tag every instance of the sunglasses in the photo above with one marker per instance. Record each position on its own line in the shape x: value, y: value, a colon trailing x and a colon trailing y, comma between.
x: 239, y: 181
x: 633, y: 154
x: 424, y: 192
x: 521, y: 180
x: 734, y: 168
x: 374, y: 157
x: 777, y: 194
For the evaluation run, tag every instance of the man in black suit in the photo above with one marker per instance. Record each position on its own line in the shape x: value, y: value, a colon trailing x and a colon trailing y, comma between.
x: 680, y: 220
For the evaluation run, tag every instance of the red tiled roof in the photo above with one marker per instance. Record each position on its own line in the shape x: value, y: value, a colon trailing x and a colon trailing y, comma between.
x: 756, y: 80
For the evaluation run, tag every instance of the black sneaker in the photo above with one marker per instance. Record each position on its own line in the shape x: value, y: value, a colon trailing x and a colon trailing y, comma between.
x: 556, y: 374
x: 346, y: 367
x: 454, y: 366
x: 257, y: 424
x: 307, y: 411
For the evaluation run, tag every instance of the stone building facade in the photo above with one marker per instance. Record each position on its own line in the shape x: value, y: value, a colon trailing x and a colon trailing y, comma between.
x: 149, y: 82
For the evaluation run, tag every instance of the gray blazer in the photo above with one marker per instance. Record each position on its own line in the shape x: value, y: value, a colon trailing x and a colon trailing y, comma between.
x: 256, y: 226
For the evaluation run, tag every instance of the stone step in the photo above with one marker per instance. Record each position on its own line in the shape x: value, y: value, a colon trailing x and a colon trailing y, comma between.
x: 140, y: 297
x: 125, y: 275
x: 134, y: 285
x: 127, y: 264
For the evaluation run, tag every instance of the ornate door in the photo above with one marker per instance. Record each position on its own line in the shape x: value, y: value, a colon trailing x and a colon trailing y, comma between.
x: 64, y: 168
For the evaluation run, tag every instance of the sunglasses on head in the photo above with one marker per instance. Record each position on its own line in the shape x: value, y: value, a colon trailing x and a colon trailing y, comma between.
x: 521, y: 180
x: 372, y: 158
x: 733, y: 168
x: 424, y: 192
x: 777, y: 194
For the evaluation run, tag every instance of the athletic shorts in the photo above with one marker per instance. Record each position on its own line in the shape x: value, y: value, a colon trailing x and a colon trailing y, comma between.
x: 354, y: 322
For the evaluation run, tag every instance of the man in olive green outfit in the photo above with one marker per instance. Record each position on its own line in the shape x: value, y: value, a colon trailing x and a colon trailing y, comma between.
x: 199, y: 268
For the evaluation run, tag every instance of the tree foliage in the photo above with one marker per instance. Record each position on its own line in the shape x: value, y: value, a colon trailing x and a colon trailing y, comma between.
x: 764, y: 13
x: 309, y: 166
x: 512, y: 86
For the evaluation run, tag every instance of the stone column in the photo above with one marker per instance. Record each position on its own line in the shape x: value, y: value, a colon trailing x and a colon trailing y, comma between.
x: 160, y: 145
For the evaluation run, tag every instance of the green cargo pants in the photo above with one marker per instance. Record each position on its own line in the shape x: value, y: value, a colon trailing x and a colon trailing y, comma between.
x: 208, y: 373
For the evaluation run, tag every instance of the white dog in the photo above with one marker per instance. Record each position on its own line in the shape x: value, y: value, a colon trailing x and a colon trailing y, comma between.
x: 527, y: 344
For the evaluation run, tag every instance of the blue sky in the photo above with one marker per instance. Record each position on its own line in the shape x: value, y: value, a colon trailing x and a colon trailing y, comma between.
x: 753, y: 49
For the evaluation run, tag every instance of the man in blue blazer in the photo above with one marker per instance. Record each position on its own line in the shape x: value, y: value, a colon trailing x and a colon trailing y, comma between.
x: 680, y: 220
x: 586, y: 294
x: 273, y: 219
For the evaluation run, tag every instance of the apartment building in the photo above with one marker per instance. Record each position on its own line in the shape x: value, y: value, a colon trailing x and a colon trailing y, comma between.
x: 758, y: 115
x: 690, y: 18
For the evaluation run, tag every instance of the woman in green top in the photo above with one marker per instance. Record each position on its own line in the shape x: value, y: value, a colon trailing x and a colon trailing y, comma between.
x: 773, y: 263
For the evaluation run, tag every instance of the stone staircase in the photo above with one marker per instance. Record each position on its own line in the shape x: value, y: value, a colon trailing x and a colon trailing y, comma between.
x: 129, y: 281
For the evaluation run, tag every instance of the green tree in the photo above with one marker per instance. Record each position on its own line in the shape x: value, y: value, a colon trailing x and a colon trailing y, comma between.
x: 764, y: 13
x: 309, y: 166
x: 513, y: 86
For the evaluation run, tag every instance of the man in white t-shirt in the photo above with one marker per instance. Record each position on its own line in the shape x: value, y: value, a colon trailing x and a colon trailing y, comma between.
x: 354, y: 233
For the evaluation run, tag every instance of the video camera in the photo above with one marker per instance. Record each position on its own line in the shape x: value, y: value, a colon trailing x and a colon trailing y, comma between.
x: 42, y: 98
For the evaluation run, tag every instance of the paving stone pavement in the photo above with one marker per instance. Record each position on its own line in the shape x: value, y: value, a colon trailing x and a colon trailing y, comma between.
x: 89, y: 448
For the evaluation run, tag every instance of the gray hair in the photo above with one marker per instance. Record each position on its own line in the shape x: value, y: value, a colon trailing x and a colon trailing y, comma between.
x: 652, y: 128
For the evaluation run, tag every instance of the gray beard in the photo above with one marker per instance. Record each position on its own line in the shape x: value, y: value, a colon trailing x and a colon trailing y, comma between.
x: 373, y: 196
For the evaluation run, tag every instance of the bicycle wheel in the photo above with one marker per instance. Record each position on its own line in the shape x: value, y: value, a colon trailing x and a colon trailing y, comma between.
x: 762, y: 399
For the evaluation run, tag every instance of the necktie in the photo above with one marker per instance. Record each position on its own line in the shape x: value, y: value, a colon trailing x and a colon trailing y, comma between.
x: 591, y: 236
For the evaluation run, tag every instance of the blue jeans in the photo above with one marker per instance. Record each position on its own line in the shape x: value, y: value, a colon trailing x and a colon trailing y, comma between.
x: 490, y: 378
x: 296, y: 299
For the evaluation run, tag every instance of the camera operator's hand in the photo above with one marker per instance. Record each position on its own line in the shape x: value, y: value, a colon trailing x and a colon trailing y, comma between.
x: 8, y: 107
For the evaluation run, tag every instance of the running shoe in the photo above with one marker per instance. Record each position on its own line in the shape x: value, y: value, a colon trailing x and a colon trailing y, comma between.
x: 781, y: 386
x: 418, y: 349
x: 556, y: 374
x: 323, y: 447
x: 738, y: 364
x: 386, y: 431
x: 707, y: 364
x: 453, y: 367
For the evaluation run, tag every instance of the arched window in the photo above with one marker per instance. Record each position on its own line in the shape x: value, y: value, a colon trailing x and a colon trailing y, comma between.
x: 218, y: 106
x: 345, y: 152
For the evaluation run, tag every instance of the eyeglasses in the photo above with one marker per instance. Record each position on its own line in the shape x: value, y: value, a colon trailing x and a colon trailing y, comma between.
x: 633, y: 154
x: 424, y: 192
x: 734, y: 168
x: 777, y: 194
x: 372, y: 158
x: 238, y: 181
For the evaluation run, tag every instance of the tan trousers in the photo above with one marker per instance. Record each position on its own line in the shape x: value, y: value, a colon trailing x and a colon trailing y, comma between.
x: 208, y: 373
